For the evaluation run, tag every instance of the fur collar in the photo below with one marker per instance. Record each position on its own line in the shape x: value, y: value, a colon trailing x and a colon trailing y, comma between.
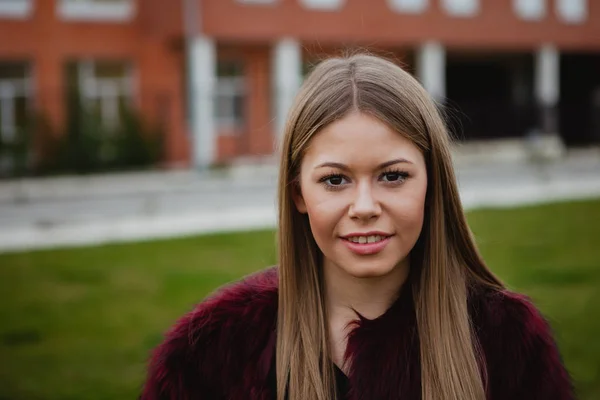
x: 224, y: 349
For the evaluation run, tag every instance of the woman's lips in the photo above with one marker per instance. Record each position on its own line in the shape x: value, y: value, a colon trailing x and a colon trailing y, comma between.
x: 366, y: 248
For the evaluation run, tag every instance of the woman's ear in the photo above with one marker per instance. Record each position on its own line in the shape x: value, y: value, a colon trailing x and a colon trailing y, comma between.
x: 297, y: 197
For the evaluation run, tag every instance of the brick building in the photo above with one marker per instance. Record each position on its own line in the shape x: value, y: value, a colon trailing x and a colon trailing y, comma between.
x: 220, y: 74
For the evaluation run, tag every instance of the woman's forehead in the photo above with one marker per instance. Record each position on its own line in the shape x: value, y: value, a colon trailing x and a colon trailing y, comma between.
x: 359, y: 139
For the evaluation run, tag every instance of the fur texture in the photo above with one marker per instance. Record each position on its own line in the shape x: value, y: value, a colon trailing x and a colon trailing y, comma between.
x: 225, y: 347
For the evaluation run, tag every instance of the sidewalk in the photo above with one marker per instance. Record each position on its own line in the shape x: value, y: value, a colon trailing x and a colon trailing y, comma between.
x: 74, y: 211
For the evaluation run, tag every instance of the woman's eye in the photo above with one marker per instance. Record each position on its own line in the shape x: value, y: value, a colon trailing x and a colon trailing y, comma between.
x: 391, y: 176
x: 335, y: 180
x: 394, y: 176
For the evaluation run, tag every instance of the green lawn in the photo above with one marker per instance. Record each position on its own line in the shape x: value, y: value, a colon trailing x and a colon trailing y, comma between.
x: 78, y: 323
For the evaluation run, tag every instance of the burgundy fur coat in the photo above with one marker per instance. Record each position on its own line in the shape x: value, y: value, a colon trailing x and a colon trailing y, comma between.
x: 224, y: 349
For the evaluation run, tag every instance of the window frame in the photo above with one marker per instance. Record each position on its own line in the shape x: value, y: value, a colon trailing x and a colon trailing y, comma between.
x: 401, y: 7
x: 323, y: 5
x: 530, y: 13
x: 560, y: 6
x: 229, y: 87
x: 451, y: 8
x: 22, y: 9
x: 96, y: 10
x: 106, y: 91
x: 10, y: 90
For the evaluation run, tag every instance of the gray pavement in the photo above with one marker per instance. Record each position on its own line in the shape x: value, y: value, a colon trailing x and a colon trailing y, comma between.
x: 72, y: 211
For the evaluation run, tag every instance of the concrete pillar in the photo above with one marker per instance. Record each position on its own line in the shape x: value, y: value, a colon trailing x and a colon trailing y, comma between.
x: 287, y: 77
x: 431, y: 69
x: 202, y: 77
x: 547, y: 87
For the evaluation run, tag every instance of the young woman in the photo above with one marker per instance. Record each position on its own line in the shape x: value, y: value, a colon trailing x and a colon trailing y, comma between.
x: 380, y: 292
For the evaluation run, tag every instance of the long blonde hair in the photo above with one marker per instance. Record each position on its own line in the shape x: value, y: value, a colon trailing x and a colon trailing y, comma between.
x: 445, y: 255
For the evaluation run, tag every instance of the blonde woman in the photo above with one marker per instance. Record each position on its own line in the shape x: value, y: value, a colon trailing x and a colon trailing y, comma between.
x: 380, y: 292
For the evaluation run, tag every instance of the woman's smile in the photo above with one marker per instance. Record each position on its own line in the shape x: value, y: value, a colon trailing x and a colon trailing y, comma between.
x: 367, y: 243
x: 367, y: 248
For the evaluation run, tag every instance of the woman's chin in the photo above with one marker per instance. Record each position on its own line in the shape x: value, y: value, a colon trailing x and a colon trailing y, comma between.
x: 366, y: 271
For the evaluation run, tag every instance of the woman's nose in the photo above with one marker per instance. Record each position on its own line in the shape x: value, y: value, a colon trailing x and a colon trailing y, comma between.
x: 365, y: 205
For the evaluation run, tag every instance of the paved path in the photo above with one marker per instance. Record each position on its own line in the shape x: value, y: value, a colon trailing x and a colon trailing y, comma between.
x: 45, y: 213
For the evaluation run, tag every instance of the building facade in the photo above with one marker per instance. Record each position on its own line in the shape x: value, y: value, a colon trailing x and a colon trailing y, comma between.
x: 220, y: 75
x: 110, y: 52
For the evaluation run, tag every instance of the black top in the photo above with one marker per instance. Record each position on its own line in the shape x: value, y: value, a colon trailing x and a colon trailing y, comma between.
x: 341, y: 381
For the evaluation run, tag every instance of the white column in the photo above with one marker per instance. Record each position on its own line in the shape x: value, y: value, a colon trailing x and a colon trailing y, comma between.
x: 287, y: 67
x: 431, y: 69
x: 547, y: 86
x: 202, y: 77
x: 547, y: 75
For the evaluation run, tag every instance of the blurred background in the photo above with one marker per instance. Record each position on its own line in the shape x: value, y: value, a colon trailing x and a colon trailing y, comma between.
x: 138, y: 161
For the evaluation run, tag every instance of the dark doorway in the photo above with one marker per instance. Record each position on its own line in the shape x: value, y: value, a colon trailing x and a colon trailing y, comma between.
x: 490, y: 95
x: 579, y: 106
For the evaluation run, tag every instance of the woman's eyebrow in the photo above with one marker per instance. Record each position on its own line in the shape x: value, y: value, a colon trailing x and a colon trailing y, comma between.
x: 344, y: 167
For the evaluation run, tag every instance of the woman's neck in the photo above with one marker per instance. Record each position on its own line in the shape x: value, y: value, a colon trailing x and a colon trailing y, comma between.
x: 346, y: 295
x: 370, y: 297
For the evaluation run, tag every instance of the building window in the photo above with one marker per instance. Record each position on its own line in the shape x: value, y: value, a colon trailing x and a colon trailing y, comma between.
x: 17, y: 9
x: 324, y: 5
x: 531, y: 10
x: 572, y: 11
x: 409, y: 6
x: 96, y: 10
x: 16, y: 93
x: 103, y: 88
x: 461, y: 8
x: 230, y: 96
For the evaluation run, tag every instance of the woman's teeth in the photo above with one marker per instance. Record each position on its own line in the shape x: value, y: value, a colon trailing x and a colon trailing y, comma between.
x: 366, y: 239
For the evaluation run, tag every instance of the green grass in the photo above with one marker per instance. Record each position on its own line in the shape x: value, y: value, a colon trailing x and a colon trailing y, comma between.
x: 78, y: 323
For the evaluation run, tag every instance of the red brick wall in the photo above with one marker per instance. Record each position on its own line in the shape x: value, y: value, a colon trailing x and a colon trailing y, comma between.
x: 48, y: 43
x: 260, y: 135
x: 372, y: 22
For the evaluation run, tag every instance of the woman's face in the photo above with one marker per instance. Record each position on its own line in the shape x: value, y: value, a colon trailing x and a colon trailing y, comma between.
x: 363, y: 187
